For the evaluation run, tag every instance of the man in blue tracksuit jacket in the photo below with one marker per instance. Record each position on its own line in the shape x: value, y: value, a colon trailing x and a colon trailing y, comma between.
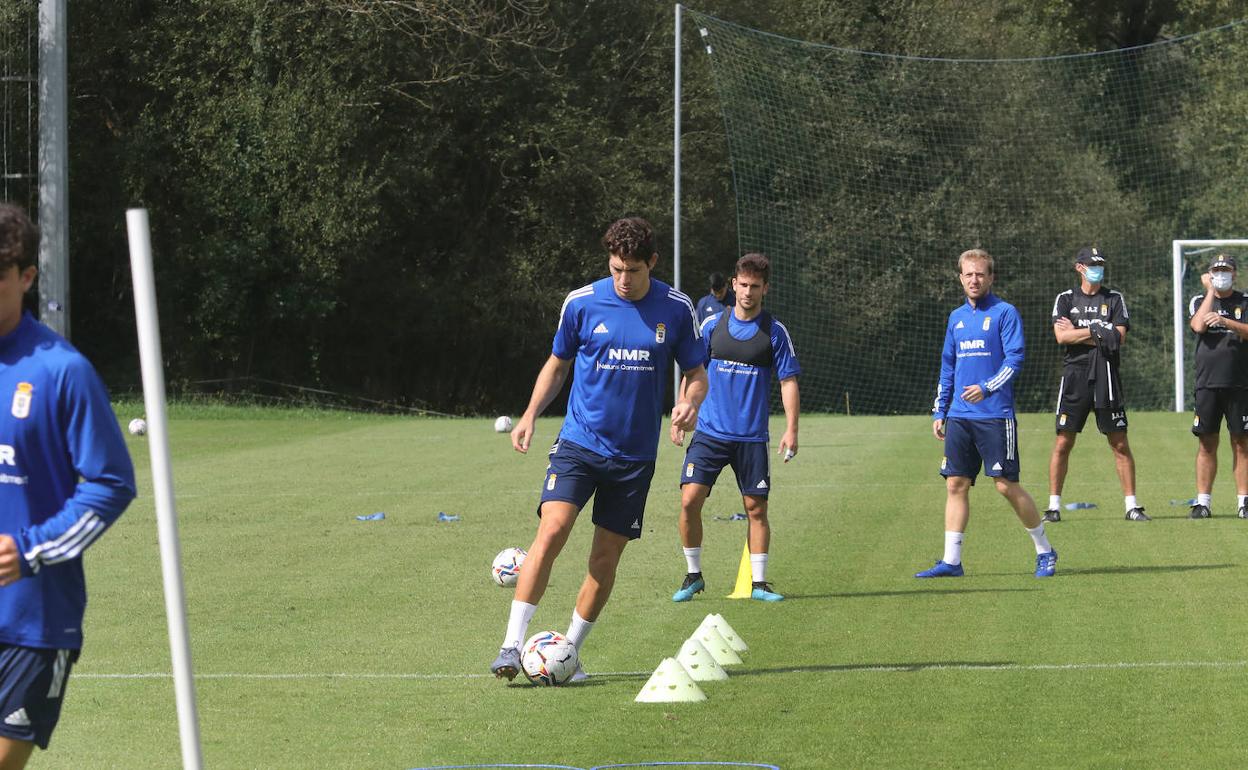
x: 974, y: 412
x: 65, y: 476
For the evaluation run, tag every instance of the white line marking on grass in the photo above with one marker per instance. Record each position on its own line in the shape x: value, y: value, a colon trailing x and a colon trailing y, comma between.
x: 848, y: 668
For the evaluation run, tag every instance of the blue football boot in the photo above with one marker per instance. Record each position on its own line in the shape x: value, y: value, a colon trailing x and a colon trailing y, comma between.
x: 940, y: 569
x: 1046, y: 564
x: 762, y: 592
x: 507, y: 664
x: 693, y: 585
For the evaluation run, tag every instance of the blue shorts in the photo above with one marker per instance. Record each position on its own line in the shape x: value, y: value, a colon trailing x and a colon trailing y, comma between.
x: 971, y: 443
x: 707, y: 456
x: 619, y: 487
x: 32, y: 683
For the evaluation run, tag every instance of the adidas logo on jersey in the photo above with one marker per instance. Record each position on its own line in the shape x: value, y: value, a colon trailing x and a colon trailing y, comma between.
x: 601, y: 328
x: 18, y: 718
x: 960, y: 325
x: 996, y: 466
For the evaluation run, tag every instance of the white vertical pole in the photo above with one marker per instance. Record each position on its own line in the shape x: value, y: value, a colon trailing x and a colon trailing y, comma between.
x: 162, y: 482
x: 1177, y: 277
x: 676, y: 185
x: 53, y: 166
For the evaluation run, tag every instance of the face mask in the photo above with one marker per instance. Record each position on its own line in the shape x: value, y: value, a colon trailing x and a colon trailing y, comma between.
x: 1094, y: 274
x: 1221, y: 280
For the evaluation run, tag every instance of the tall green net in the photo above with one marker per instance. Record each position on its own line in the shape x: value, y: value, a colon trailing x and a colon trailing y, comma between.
x: 863, y: 176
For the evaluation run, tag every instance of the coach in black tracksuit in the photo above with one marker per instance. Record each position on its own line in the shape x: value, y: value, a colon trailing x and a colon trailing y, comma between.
x: 1091, y: 321
x: 1221, y: 380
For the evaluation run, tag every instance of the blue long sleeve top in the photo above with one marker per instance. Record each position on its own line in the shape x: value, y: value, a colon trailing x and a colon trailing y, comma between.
x: 983, y: 346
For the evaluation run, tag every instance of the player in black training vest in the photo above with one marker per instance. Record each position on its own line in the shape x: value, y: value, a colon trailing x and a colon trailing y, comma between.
x: 1091, y: 321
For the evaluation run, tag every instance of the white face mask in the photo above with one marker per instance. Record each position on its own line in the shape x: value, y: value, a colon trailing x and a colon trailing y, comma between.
x: 1221, y: 280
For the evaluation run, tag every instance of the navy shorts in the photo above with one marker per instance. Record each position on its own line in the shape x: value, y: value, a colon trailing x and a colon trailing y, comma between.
x: 972, y: 443
x: 619, y: 487
x: 1216, y: 404
x: 707, y: 456
x: 1075, y: 400
x: 32, y: 686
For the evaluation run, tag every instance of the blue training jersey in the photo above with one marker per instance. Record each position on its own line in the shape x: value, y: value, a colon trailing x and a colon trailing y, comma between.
x: 65, y: 476
x: 737, y: 403
x: 623, y: 351
x: 983, y: 346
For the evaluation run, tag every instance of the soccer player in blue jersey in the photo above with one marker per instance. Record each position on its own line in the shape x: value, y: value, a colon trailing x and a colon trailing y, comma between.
x: 974, y: 413
x: 619, y: 335
x: 65, y: 476
x: 715, y: 302
x: 745, y: 345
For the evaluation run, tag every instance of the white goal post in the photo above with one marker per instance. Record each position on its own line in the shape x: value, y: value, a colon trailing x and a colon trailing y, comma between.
x: 1180, y: 312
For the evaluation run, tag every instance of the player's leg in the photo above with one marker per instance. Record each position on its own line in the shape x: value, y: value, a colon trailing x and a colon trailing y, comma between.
x: 31, y: 693
x: 959, y: 466
x: 1059, y: 463
x: 1025, y: 508
x: 14, y: 754
x: 1206, y: 426
x: 760, y: 545
x: 998, y: 443
x: 1239, y: 441
x: 604, y: 559
x: 1124, y: 462
x: 704, y: 460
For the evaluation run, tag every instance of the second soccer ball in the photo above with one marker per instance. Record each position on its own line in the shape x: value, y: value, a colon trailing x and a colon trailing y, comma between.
x: 506, y: 567
x: 549, y: 659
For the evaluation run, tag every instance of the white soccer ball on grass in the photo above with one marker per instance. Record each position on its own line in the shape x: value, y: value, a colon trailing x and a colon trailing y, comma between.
x: 138, y: 426
x: 506, y: 567
x: 549, y: 659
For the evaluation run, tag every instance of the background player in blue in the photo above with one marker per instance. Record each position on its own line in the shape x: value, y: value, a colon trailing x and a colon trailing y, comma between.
x: 1091, y: 321
x: 65, y: 476
x: 744, y: 346
x: 623, y: 333
x: 982, y: 355
x: 715, y: 302
x: 1219, y: 317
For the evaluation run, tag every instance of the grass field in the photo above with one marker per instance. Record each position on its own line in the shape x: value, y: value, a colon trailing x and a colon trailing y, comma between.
x: 321, y: 641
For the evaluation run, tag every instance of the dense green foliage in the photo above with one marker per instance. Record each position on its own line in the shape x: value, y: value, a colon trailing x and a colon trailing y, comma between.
x: 321, y: 641
x: 390, y: 199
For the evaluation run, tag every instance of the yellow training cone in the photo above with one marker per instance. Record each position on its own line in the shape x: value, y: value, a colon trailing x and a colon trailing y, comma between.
x: 732, y: 637
x: 670, y: 683
x: 715, y: 644
x: 745, y: 577
x: 699, y: 662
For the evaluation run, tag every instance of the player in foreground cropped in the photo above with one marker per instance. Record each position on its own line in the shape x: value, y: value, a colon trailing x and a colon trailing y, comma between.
x: 1218, y: 318
x: 623, y: 332
x: 65, y: 476
x: 974, y: 413
x: 1091, y: 321
x: 744, y: 346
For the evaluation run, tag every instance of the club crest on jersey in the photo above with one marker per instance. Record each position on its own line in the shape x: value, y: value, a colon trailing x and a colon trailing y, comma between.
x: 1104, y: 309
x: 1238, y: 312
x: 987, y: 323
x: 21, y: 400
x: 660, y: 333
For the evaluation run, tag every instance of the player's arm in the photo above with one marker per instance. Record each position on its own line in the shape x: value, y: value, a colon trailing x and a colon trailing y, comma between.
x: 1069, y: 334
x: 693, y: 392
x: 791, y: 397
x: 944, y: 386
x: 1239, y: 327
x: 105, y: 487
x: 1122, y: 334
x: 1203, y: 315
x: 549, y: 382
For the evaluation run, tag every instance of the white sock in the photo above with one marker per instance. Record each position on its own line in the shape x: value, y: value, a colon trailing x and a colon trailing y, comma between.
x: 1205, y: 500
x: 1131, y: 503
x: 1041, y: 540
x: 518, y: 622
x: 758, y: 566
x: 953, y: 548
x: 1055, y: 502
x: 693, y: 558
x: 1243, y: 500
x: 578, y: 629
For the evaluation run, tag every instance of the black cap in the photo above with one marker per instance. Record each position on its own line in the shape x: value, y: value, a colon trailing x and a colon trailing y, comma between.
x: 1090, y: 256
x: 1222, y: 260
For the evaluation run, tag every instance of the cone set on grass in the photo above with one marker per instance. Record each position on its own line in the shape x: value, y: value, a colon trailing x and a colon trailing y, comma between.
x: 702, y: 658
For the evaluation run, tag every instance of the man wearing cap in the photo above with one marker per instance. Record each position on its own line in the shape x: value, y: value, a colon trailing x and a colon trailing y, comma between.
x: 1220, y: 320
x: 1091, y: 321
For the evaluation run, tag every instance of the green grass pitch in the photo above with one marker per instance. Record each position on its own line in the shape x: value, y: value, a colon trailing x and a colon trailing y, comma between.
x: 322, y: 641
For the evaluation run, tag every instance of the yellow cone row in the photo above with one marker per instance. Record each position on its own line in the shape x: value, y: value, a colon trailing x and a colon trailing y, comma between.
x: 702, y: 658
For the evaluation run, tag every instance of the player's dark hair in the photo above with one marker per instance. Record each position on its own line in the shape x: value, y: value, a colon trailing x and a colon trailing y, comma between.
x: 19, y: 238
x: 979, y: 255
x: 718, y: 282
x: 630, y: 238
x: 755, y: 263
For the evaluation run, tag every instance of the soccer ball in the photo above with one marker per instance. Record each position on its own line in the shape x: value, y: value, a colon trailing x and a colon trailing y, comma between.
x: 506, y: 568
x: 549, y: 659
x: 138, y: 426
x: 502, y: 424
